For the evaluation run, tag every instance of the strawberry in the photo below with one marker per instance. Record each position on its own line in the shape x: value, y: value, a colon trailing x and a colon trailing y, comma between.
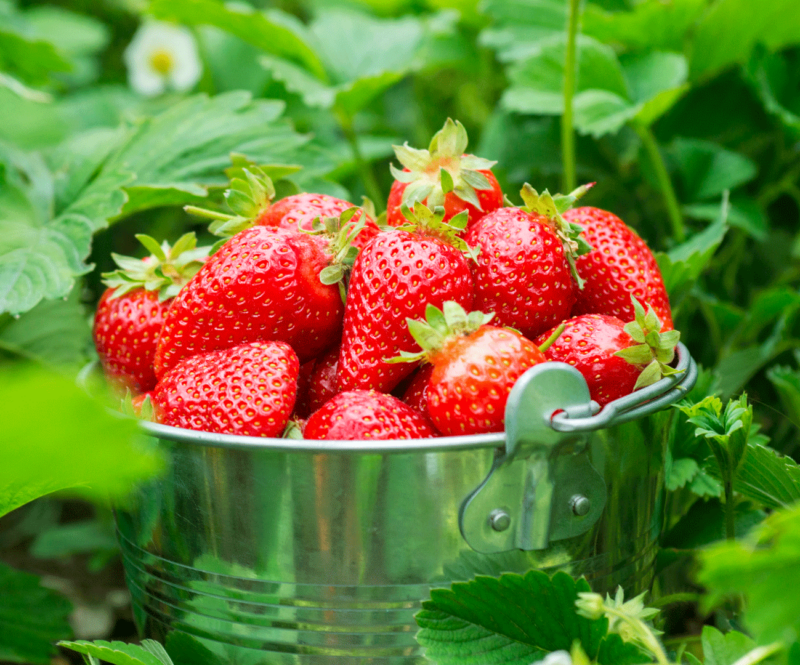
x: 616, y: 358
x: 396, y: 274
x: 322, y: 382
x: 621, y: 264
x: 525, y: 263
x: 263, y: 284
x: 443, y: 176
x: 250, y: 194
x: 131, y: 311
x: 416, y: 393
x: 474, y: 367
x: 367, y: 414
x: 301, y: 405
x: 248, y: 389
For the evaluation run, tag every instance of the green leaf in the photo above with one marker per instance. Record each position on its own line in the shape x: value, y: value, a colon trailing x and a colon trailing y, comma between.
x: 680, y: 472
x: 55, y: 333
x: 775, y: 79
x: 64, y: 540
x: 519, y: 26
x: 515, y: 620
x: 719, y: 649
x: 761, y: 567
x: 29, y: 59
x: 704, y: 524
x: 39, y: 454
x: 765, y: 476
x: 787, y: 383
x: 648, y: 26
x: 271, y: 31
x: 744, y: 213
x: 682, y: 266
x: 186, y: 650
x: 728, y: 31
x: 118, y: 653
x: 32, y: 618
x: 707, y: 169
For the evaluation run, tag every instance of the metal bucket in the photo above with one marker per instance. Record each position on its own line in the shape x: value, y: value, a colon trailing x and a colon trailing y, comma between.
x: 320, y: 552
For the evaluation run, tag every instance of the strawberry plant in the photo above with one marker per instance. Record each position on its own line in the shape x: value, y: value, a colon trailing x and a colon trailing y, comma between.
x: 254, y: 125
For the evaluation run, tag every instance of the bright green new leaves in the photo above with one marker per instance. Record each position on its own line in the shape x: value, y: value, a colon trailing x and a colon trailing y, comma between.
x: 726, y: 430
x: 515, y: 620
x: 764, y: 567
x: 48, y: 220
x: 610, y: 91
x: 32, y: 618
x: 55, y: 437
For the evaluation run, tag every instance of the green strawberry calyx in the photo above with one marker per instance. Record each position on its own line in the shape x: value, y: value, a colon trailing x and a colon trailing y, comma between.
x: 655, y: 350
x: 438, y: 328
x: 146, y: 410
x: 342, y: 231
x: 166, y: 270
x: 441, y: 169
x: 250, y: 193
x: 427, y: 222
x: 552, y: 208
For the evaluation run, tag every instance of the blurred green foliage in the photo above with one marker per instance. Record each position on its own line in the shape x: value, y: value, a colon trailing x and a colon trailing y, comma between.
x: 687, y: 114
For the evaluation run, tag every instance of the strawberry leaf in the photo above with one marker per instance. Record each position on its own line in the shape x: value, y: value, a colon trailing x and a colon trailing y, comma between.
x: 32, y: 618
x: 519, y: 619
x: 120, y: 653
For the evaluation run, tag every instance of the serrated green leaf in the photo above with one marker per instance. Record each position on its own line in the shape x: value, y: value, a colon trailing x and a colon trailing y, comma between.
x: 517, y: 619
x: 707, y: 169
x: 32, y: 618
x: 55, y: 333
x: 719, y: 649
x: 765, y: 476
x: 116, y: 653
x: 44, y: 459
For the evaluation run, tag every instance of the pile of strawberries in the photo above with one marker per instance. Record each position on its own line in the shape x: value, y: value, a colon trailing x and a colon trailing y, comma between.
x: 314, y: 317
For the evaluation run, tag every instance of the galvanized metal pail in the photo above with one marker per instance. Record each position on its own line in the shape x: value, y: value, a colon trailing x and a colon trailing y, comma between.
x: 320, y: 552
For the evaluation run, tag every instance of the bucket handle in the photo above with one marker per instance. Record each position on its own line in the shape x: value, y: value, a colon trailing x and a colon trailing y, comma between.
x: 542, y: 487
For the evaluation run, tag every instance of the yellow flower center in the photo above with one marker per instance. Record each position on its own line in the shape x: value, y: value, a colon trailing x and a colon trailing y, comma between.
x: 161, y: 61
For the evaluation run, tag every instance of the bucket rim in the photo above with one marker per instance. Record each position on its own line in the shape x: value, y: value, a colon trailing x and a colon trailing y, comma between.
x: 665, y: 392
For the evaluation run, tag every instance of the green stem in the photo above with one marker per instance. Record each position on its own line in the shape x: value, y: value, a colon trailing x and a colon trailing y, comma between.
x: 570, y: 74
x: 676, y: 598
x: 760, y: 654
x: 364, y: 168
x: 647, y: 638
x: 664, y: 182
x: 730, y: 513
x: 207, y: 214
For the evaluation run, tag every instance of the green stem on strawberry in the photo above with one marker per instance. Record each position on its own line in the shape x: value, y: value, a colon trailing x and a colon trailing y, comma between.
x: 552, y: 207
x: 570, y: 74
x: 550, y: 340
x: 368, y: 178
x: 664, y: 182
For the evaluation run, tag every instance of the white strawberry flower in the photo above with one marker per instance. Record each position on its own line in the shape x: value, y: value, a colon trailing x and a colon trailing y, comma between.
x: 160, y: 57
x: 557, y: 658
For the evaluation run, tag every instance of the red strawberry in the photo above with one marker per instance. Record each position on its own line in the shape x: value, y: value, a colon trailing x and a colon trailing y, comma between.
x: 393, y: 278
x: 131, y: 311
x: 621, y: 264
x: 248, y: 389
x: 523, y: 272
x: 443, y: 176
x: 322, y: 383
x: 301, y: 405
x: 367, y: 414
x: 249, y: 197
x: 616, y: 358
x: 263, y: 284
x: 300, y: 211
x: 416, y: 393
x: 474, y: 368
